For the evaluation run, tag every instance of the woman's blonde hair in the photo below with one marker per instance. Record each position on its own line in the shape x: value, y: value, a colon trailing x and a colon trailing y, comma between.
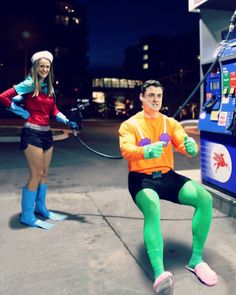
x: 35, y: 76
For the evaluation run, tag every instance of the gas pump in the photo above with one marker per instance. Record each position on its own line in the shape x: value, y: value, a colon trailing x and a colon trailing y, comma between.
x: 217, y: 124
x: 212, y: 100
x: 217, y: 119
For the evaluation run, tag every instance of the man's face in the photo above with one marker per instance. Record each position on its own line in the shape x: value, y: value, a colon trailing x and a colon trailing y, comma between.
x: 152, y: 99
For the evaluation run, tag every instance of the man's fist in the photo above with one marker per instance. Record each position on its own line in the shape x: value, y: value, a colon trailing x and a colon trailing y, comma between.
x: 153, y: 150
x: 190, y: 146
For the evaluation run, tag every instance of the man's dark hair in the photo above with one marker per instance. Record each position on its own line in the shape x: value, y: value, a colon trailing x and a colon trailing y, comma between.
x: 149, y: 83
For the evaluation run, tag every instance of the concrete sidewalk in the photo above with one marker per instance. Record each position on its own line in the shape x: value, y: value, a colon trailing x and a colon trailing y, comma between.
x: 221, y: 201
x: 99, y: 248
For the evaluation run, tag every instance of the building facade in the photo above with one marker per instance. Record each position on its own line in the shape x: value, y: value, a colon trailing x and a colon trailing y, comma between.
x: 55, y: 25
x: 173, y: 61
x: 115, y: 97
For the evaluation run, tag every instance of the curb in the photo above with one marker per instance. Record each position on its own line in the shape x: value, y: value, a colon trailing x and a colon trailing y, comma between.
x: 222, y: 202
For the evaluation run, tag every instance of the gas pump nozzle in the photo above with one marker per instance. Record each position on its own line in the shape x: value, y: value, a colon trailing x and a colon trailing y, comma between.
x: 232, y: 126
x: 232, y: 22
x: 75, y: 132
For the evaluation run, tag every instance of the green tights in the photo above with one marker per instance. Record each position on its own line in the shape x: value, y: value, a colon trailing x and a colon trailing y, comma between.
x: 192, y: 194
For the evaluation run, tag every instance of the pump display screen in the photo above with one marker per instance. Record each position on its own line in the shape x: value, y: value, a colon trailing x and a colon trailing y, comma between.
x: 215, y: 85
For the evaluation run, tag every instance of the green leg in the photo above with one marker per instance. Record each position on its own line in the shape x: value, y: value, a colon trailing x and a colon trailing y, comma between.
x: 148, y: 202
x: 194, y: 194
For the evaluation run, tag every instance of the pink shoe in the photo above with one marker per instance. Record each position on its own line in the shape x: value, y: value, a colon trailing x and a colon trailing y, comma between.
x: 163, y: 284
x: 204, y: 273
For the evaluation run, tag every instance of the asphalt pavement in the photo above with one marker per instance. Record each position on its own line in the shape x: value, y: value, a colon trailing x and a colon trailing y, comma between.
x: 98, y: 248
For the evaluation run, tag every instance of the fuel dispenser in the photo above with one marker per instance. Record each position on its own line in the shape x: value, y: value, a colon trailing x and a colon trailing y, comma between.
x: 217, y: 118
x: 217, y: 124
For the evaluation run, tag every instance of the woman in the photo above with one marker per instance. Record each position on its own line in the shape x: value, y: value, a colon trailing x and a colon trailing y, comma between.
x: 37, y: 94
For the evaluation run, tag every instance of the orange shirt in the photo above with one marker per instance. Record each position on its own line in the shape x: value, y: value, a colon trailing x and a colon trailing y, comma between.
x: 137, y: 127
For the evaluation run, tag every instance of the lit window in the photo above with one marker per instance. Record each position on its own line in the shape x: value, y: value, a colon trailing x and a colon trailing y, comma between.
x: 98, y: 97
x: 124, y: 83
x: 145, y: 66
x: 134, y: 83
x: 76, y: 20
x: 64, y: 7
x: 145, y: 56
x: 120, y: 104
x: 69, y: 8
x: 95, y: 82
x: 145, y: 47
x: 62, y: 20
x: 107, y: 82
x: 139, y: 83
x: 115, y: 83
x: 131, y: 83
x: 101, y: 82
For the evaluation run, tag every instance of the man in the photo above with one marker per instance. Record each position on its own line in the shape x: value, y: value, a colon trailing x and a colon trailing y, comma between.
x: 146, y: 142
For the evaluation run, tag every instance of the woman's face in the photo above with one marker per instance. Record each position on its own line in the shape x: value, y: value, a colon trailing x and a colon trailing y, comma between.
x: 43, y: 68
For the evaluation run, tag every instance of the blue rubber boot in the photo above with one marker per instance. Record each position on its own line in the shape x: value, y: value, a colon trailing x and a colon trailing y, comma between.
x: 41, y: 208
x: 27, y: 215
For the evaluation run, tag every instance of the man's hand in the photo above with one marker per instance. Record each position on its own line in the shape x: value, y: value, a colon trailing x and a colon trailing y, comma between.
x: 153, y: 150
x: 190, y: 146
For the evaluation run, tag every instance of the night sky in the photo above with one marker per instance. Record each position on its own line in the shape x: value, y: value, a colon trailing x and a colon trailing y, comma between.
x: 115, y: 25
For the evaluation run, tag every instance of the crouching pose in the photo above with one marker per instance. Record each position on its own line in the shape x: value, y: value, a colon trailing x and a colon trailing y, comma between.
x: 37, y: 95
x: 146, y: 141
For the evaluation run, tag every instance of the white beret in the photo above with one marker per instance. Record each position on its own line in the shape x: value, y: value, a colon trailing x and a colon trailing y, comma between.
x: 45, y: 54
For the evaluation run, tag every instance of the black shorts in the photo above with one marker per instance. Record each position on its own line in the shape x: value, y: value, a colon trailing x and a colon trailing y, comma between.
x: 41, y: 139
x: 167, y: 186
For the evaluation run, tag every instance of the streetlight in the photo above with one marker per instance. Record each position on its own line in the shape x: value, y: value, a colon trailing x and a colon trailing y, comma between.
x: 26, y: 36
